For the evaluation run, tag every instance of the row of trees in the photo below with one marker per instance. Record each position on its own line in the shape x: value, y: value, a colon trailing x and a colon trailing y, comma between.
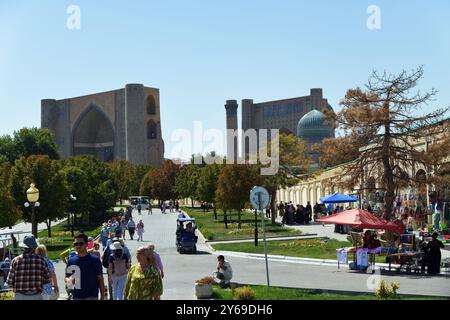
x: 227, y: 186
x: 30, y: 155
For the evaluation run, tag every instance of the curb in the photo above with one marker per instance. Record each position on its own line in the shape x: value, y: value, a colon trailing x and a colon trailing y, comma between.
x: 273, y: 238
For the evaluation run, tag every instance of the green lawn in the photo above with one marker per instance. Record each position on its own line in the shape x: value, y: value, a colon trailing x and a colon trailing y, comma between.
x: 215, y: 229
x: 62, y: 237
x: 319, y: 248
x: 274, y: 293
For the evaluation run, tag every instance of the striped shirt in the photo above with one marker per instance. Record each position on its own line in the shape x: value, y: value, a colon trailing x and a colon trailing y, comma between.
x: 29, y: 272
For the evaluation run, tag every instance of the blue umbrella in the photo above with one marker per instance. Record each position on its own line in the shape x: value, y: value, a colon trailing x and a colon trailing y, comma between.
x: 338, y: 198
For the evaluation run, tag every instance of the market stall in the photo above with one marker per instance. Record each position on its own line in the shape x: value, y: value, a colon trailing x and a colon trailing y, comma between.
x: 363, y: 220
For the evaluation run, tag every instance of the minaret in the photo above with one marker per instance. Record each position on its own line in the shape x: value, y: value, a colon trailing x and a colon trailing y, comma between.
x: 232, y: 124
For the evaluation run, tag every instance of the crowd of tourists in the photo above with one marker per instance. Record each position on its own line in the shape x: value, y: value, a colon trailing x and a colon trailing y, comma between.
x: 170, y: 205
x: 300, y: 214
x: 32, y: 275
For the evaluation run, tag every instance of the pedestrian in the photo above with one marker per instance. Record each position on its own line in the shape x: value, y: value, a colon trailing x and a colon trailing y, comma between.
x: 171, y: 205
x: 139, y: 208
x: 158, y: 260
x: 131, y: 227
x: 50, y: 291
x: 119, y: 264
x: 28, y: 272
x: 87, y: 269
x: 90, y: 244
x: 140, y: 230
x: 95, y: 250
x: 150, y: 211
x: 104, y: 235
x: 124, y: 227
x: 224, y: 272
x: 281, y: 209
x: 434, y: 254
x: 144, y: 280
x: 177, y: 205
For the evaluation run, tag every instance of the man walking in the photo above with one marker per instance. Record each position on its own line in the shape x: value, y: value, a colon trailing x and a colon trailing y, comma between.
x: 84, y: 272
x: 29, y: 272
x: 131, y: 227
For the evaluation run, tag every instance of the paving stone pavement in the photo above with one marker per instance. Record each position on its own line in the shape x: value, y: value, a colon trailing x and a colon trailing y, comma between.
x: 181, y: 271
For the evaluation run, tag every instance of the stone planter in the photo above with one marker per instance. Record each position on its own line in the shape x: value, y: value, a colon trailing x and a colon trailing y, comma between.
x: 203, y: 291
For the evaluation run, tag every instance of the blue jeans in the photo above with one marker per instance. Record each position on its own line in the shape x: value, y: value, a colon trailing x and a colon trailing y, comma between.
x: 104, y: 240
x: 118, y: 286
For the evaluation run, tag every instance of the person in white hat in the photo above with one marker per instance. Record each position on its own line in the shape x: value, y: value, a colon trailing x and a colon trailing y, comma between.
x: 119, y: 264
x: 29, y: 272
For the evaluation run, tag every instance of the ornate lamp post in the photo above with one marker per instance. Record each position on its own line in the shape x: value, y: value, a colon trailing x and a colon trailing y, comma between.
x: 33, y: 197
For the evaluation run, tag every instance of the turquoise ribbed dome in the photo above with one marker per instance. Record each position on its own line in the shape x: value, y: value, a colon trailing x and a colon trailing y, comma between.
x: 312, y: 127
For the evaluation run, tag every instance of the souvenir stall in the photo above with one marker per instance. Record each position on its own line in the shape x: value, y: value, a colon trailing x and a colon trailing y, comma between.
x: 363, y: 220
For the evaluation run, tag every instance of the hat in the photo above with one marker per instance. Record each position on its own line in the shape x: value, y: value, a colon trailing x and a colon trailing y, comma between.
x: 29, y: 241
x: 116, y: 239
x: 116, y: 246
x: 90, y: 239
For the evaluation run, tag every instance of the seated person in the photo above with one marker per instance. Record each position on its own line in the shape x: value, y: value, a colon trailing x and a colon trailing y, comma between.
x: 367, y: 239
x: 189, y: 228
x: 224, y: 272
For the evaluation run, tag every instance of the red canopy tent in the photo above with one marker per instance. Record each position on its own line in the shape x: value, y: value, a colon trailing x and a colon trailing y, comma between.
x: 362, y: 219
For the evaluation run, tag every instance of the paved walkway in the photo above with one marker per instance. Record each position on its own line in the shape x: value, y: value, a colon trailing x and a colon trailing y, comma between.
x: 181, y: 271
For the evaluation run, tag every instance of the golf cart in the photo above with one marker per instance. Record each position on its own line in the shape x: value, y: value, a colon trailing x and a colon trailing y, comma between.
x: 185, y: 235
x: 9, y: 249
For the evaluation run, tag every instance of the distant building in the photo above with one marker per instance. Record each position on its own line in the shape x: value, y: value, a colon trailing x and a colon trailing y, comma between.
x: 119, y: 124
x: 284, y: 115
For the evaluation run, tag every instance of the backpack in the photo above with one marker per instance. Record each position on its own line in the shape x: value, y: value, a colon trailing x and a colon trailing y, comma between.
x: 120, y: 265
x: 105, y: 260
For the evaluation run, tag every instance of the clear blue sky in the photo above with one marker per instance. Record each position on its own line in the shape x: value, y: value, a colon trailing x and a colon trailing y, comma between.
x: 200, y: 53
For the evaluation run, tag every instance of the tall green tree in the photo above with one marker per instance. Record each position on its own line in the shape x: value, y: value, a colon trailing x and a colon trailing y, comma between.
x: 186, y: 182
x: 78, y: 187
x: 53, y: 194
x: 140, y: 171
x: 9, y: 211
x: 146, y: 186
x: 207, y: 185
x: 102, y: 195
x: 234, y: 185
x: 123, y: 175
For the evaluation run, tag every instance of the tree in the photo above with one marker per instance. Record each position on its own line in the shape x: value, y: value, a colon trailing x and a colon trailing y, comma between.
x: 9, y: 211
x: 385, y: 115
x: 207, y: 184
x: 140, y: 171
x: 8, y: 150
x: 294, y: 160
x: 146, y: 187
x: 162, y: 180
x: 123, y: 176
x: 33, y: 141
x: 186, y: 182
x: 77, y: 186
x: 27, y: 142
x: 45, y: 174
x: 100, y: 191
x: 234, y: 185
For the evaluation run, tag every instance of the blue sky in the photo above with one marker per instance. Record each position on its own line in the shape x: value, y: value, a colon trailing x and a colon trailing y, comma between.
x: 200, y: 53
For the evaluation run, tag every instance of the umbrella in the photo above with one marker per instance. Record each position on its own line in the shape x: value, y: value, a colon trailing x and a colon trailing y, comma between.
x: 338, y: 198
x: 362, y: 219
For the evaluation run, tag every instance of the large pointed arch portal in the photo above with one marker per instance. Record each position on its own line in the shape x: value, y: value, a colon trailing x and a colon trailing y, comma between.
x: 93, y: 134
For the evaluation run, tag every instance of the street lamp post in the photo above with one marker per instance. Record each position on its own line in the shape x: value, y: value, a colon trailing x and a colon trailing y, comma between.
x: 33, y: 197
x: 73, y: 198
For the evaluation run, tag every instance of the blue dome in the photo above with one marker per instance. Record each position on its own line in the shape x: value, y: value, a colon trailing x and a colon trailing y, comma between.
x: 312, y: 127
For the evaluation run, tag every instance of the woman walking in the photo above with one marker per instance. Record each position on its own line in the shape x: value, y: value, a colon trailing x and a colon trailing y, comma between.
x: 50, y: 291
x: 140, y: 230
x: 144, y: 280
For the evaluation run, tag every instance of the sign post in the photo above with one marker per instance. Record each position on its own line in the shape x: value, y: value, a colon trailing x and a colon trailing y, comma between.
x: 260, y: 199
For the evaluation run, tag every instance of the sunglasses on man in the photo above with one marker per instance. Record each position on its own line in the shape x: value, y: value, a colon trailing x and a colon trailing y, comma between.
x: 80, y: 244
